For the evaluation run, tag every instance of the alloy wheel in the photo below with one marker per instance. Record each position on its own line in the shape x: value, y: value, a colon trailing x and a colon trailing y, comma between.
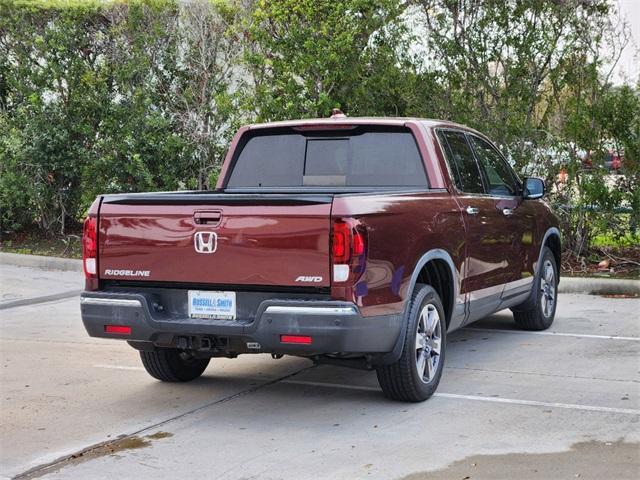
x: 428, y: 343
x: 548, y: 288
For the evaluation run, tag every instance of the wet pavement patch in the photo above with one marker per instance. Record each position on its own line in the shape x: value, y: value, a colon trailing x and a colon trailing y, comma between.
x: 592, y: 460
x: 112, y: 447
x: 126, y: 443
x: 159, y: 435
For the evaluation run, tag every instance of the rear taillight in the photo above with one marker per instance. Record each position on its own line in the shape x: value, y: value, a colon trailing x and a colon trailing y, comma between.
x: 90, y: 247
x: 348, y: 249
x: 341, y: 242
x: 358, y: 244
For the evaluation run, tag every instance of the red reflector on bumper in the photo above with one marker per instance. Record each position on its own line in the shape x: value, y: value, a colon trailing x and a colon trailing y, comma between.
x: 304, y: 339
x: 120, y: 329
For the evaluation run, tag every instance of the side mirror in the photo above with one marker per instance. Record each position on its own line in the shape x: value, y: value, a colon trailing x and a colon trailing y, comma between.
x: 533, y: 188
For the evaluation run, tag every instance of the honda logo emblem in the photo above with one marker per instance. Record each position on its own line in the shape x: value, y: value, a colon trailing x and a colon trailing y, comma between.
x: 205, y: 242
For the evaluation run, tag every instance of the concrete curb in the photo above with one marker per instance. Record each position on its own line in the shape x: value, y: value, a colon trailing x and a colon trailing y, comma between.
x: 34, y: 301
x: 599, y: 286
x: 40, y: 261
x: 591, y: 285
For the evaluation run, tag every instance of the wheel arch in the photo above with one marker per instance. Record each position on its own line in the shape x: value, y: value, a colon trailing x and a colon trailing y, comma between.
x: 552, y: 240
x: 436, y: 264
x: 436, y: 268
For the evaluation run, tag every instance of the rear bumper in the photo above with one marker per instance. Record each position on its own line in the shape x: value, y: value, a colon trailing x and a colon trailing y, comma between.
x: 334, y: 327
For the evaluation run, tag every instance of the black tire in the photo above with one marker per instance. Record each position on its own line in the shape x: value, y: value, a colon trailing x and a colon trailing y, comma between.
x: 401, y: 380
x: 173, y: 365
x: 538, y: 312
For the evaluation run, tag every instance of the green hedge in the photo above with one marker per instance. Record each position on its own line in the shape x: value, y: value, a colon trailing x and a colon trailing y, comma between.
x: 92, y: 95
x: 99, y: 97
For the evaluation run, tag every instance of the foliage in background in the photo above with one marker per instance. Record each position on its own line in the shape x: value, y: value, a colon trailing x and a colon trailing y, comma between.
x: 99, y: 97
x: 307, y: 57
x: 141, y: 95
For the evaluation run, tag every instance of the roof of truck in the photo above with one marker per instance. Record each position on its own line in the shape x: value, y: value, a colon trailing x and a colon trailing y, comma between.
x: 337, y: 120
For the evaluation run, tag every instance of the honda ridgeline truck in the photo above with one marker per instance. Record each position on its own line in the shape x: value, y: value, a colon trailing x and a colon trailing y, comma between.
x: 356, y: 241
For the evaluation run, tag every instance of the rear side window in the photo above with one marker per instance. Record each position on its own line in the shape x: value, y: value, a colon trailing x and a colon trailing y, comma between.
x: 360, y: 157
x: 462, y: 163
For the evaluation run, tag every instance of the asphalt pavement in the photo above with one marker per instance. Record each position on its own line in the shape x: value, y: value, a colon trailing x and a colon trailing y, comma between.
x: 564, y: 403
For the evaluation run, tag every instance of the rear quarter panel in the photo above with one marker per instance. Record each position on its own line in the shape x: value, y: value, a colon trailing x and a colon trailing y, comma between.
x: 401, y: 228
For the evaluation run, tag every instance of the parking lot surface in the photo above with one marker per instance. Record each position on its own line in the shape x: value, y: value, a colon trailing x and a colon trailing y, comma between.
x: 27, y: 285
x: 564, y: 403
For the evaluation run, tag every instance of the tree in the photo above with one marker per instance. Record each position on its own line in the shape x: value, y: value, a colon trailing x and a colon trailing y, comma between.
x: 210, y: 82
x: 102, y: 97
x: 307, y: 57
x: 99, y: 97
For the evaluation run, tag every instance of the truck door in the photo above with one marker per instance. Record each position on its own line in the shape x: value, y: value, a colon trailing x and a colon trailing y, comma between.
x: 512, y: 219
x: 490, y: 259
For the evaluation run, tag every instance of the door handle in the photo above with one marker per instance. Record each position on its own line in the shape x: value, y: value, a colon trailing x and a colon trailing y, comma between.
x: 507, y: 212
x: 207, y: 218
x: 472, y: 210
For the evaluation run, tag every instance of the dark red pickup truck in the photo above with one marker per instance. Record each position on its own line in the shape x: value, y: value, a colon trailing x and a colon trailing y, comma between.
x: 356, y: 241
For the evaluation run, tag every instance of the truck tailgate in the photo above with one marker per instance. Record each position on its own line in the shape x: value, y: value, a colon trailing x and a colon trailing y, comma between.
x: 219, y: 239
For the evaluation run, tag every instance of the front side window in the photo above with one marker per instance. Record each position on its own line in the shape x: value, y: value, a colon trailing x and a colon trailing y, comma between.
x: 462, y: 163
x: 499, y: 177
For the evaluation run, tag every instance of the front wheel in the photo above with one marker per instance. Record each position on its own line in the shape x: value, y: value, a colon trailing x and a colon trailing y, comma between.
x: 416, y: 374
x: 540, y: 312
x: 173, y: 365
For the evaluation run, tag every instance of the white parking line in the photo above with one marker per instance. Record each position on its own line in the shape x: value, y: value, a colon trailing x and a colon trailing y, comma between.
x: 478, y: 398
x: 556, y: 334
x: 119, y: 367
x: 534, y: 403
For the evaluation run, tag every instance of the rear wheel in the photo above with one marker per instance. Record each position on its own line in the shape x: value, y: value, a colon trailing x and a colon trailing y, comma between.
x: 539, y: 312
x: 173, y: 365
x: 415, y: 376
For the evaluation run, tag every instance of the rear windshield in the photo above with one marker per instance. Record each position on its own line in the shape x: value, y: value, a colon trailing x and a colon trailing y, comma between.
x: 347, y: 158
